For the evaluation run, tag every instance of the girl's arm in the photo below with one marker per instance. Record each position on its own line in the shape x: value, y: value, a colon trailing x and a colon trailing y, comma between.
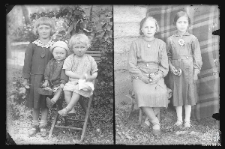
x: 63, y: 78
x: 169, y: 54
x: 132, y: 62
x: 68, y: 64
x: 94, y: 70
x: 92, y: 77
x: 74, y: 75
x: 196, y: 55
x: 163, y: 65
x: 27, y: 62
x: 47, y: 74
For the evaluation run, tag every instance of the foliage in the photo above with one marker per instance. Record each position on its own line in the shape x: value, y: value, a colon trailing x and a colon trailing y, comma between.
x: 16, y: 95
x: 128, y: 131
x: 23, y: 33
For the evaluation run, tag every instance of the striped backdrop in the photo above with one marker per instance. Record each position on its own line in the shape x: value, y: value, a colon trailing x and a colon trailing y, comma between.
x: 204, y: 20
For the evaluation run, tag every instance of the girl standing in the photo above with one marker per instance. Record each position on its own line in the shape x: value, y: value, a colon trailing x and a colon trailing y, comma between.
x: 81, y: 69
x: 148, y: 65
x: 36, y: 58
x: 184, y: 54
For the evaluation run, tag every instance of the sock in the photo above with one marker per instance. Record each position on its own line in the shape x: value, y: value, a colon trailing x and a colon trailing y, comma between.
x: 43, y: 123
x: 156, y: 124
x: 35, y: 122
x: 179, y: 113
x: 187, y: 113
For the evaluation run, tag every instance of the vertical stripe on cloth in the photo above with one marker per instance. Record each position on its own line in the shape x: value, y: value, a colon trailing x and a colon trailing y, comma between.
x: 204, y: 19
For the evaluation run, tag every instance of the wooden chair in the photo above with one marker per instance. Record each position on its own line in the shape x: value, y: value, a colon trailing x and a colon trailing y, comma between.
x: 96, y: 55
x: 133, y: 102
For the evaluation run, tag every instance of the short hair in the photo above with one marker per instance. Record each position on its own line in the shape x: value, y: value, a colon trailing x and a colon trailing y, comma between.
x: 181, y: 14
x: 44, y: 21
x: 144, y: 20
x: 79, y: 38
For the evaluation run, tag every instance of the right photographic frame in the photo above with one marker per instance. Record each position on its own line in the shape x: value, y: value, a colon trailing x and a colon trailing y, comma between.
x: 166, y: 74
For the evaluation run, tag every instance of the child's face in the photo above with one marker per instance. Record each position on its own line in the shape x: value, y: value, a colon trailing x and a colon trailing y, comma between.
x: 182, y: 24
x: 149, y: 28
x: 44, y: 31
x: 79, y: 49
x: 59, y: 53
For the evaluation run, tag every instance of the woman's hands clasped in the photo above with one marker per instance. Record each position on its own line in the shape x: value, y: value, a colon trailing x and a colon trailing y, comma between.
x: 154, y: 78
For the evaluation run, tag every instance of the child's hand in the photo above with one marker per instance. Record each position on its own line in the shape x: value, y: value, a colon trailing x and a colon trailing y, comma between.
x: 45, y: 84
x: 145, y: 80
x: 155, y: 78
x: 62, y: 85
x: 173, y: 69
x: 196, y: 74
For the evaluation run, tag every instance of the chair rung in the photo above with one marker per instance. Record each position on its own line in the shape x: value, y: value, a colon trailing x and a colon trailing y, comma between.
x: 74, y: 119
x: 68, y: 127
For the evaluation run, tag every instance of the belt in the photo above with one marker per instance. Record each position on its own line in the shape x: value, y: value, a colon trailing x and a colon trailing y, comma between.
x: 183, y: 57
x: 147, y: 74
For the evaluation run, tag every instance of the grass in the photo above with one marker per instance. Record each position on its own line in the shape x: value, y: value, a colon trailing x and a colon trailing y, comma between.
x: 204, y: 132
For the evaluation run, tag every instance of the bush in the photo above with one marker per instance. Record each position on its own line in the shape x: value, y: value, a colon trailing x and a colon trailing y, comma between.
x: 23, y: 34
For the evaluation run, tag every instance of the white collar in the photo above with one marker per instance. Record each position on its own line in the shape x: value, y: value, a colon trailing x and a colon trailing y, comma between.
x: 39, y: 43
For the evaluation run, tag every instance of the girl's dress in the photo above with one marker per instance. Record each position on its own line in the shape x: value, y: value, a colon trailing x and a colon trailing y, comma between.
x: 36, y: 58
x: 80, y: 65
x: 144, y: 58
x: 187, y: 57
x: 55, y: 74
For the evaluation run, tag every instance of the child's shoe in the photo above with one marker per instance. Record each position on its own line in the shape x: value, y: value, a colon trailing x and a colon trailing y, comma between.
x: 187, y: 124
x: 178, y: 123
x: 49, y: 102
x: 64, y: 111
x: 156, y: 128
x: 43, y: 130
x: 33, y: 130
x: 146, y: 124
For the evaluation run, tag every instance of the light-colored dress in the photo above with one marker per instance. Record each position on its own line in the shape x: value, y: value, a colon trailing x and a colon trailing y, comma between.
x: 144, y: 60
x: 187, y: 57
x: 80, y: 65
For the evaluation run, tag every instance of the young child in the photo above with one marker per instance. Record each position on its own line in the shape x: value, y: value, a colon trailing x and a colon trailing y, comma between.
x: 54, y: 76
x: 184, y: 54
x: 36, y: 58
x: 148, y: 65
x: 81, y: 69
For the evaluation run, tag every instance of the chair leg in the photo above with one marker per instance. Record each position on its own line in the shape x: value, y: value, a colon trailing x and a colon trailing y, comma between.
x: 86, y: 119
x: 84, y: 107
x: 140, y: 116
x: 158, y: 116
x: 53, y: 124
x: 131, y: 110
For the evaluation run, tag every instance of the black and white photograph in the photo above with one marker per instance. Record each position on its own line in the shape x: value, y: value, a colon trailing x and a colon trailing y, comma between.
x: 120, y: 75
x: 59, y: 74
x: 166, y: 74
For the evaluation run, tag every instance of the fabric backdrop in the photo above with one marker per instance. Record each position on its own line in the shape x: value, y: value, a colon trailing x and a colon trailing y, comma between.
x: 204, y: 20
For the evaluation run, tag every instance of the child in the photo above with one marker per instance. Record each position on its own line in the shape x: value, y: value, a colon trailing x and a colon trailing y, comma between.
x: 78, y: 66
x: 36, y: 58
x: 54, y: 76
x: 184, y: 54
x: 148, y: 65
